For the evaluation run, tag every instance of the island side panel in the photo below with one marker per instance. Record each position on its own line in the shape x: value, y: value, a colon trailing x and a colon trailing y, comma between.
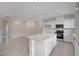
x: 36, y: 47
x: 49, y: 45
x: 39, y: 48
x: 31, y: 47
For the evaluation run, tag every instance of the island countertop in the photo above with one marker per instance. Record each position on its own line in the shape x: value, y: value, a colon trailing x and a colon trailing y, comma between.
x: 42, y: 36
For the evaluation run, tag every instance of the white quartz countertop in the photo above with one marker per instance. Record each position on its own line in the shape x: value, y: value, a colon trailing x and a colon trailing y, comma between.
x: 41, y: 36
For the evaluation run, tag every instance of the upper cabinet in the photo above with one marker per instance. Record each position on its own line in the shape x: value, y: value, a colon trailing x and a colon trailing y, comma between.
x: 69, y: 23
x: 59, y: 20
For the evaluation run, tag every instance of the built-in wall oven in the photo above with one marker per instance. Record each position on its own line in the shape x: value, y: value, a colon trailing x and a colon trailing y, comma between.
x: 59, y: 31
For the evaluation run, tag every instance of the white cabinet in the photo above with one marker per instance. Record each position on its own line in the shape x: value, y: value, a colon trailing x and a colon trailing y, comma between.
x: 42, y: 46
x: 68, y: 29
x: 49, y: 45
x: 60, y: 20
x: 76, y: 46
x: 77, y: 31
x: 69, y: 23
x: 68, y: 35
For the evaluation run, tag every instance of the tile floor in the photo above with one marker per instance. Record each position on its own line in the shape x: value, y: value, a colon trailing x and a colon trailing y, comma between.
x: 63, y: 49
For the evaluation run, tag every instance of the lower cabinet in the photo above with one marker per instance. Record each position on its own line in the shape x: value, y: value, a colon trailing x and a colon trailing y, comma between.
x: 49, y: 45
x: 68, y: 38
x: 42, y: 47
x: 76, y: 46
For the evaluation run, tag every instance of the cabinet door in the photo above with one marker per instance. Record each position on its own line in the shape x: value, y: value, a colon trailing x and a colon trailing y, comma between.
x: 68, y: 35
x: 69, y: 23
x: 49, y: 45
x: 76, y: 47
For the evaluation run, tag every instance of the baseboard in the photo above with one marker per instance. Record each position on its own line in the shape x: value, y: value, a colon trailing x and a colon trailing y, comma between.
x: 17, y: 36
x: 64, y: 41
x: 67, y: 42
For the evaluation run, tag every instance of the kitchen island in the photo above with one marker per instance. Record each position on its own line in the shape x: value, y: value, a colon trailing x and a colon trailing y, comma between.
x: 41, y: 44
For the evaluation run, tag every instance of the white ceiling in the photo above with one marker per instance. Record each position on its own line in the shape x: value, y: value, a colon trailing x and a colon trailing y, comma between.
x: 25, y: 10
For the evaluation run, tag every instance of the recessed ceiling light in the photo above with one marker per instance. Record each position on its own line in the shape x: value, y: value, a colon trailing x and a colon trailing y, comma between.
x: 76, y: 8
x: 37, y: 7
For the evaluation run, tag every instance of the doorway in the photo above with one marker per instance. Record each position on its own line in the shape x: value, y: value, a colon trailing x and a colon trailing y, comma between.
x: 5, y: 31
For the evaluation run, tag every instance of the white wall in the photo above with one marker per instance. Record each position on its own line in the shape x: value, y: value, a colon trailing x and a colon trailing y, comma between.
x: 17, y: 29
x: 22, y: 28
x: 51, y: 29
x: 52, y: 23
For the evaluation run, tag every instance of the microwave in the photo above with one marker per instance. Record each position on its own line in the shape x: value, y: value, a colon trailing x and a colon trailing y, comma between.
x: 59, y: 25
